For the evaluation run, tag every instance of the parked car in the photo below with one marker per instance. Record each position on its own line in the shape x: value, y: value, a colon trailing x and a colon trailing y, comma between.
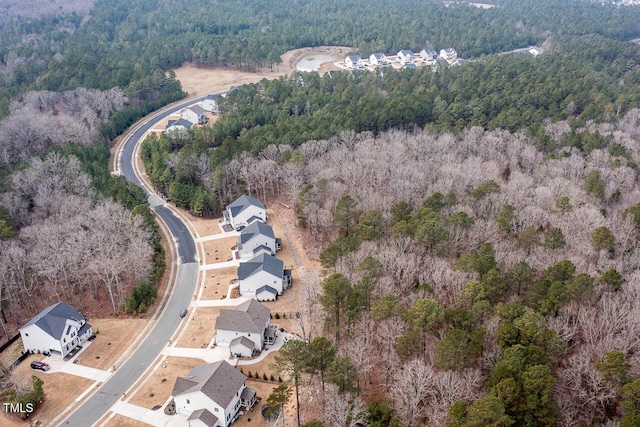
x: 183, y: 312
x: 40, y: 365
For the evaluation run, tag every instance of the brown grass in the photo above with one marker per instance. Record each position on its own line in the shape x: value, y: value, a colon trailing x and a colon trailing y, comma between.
x: 122, y: 421
x: 217, y: 282
x: 262, y: 367
x: 205, y: 226
x: 219, y: 250
x: 60, y: 390
x: 254, y: 418
x: 201, y: 328
x: 157, y: 387
x: 114, y: 338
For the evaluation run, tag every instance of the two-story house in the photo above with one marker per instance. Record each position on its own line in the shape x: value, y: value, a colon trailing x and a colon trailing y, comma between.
x: 245, y: 329
x: 218, y: 388
x: 243, y: 211
x: 57, y: 329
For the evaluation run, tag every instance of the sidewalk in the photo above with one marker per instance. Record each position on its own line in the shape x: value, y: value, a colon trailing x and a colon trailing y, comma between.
x: 155, y: 418
x: 209, y: 355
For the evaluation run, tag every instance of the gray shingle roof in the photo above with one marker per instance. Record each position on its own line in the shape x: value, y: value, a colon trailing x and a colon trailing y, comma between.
x: 219, y: 381
x: 254, y: 229
x: 262, y: 262
x: 197, y: 109
x: 250, y: 316
x: 180, y: 122
x: 53, y: 319
x: 205, y: 416
x: 243, y: 202
x: 243, y: 341
x: 266, y: 288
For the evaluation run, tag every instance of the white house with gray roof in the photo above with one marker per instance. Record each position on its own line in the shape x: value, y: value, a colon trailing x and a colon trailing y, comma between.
x: 57, y: 329
x: 379, y: 59
x: 405, y: 56
x: 257, y: 238
x: 213, y: 103
x: 179, y: 125
x: 448, y: 54
x: 353, y: 61
x: 195, y: 114
x: 243, y: 211
x: 245, y: 329
x: 261, y: 277
x: 218, y: 388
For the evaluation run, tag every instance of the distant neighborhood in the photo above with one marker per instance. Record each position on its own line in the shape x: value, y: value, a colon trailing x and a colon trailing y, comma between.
x: 404, y: 58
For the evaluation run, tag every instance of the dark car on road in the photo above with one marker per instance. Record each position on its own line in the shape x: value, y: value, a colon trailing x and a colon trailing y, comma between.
x: 40, y: 365
x: 183, y: 312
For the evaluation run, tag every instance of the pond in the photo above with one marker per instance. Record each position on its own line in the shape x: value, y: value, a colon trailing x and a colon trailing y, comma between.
x: 312, y: 61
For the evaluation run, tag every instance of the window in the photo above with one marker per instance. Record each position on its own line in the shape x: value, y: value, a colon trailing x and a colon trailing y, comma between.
x: 188, y: 402
x: 26, y: 335
x: 64, y: 340
x: 249, y: 333
x: 215, y: 409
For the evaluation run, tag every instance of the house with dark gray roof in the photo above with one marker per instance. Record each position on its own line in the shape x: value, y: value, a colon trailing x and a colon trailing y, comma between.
x: 195, y: 114
x: 245, y: 328
x: 57, y: 329
x: 261, y: 277
x: 379, y: 59
x: 243, y: 211
x: 257, y: 238
x: 217, y: 388
x: 405, y: 56
x: 353, y: 61
x: 179, y: 125
x: 428, y: 54
x: 202, y: 418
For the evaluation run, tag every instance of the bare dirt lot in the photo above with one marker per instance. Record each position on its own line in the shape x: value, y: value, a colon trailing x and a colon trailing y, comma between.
x: 219, y: 250
x: 113, y: 339
x: 217, y: 282
x: 201, y: 328
x: 60, y: 390
x: 157, y: 388
x: 200, y: 81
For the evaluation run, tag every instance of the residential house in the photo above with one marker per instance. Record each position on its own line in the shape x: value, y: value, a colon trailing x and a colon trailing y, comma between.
x: 195, y: 114
x: 257, y: 238
x: 245, y: 329
x: 263, y: 277
x: 428, y: 54
x: 218, y: 388
x: 353, y: 61
x: 410, y: 66
x: 180, y: 125
x: 405, y: 57
x: 379, y: 59
x: 243, y: 211
x: 213, y: 103
x: 57, y: 329
x: 448, y: 54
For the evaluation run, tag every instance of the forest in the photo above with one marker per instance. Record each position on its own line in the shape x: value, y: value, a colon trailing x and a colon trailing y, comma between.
x: 477, y: 226
x: 579, y: 80
x: 470, y: 279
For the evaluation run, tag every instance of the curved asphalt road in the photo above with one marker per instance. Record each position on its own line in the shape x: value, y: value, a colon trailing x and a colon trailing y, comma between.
x: 187, y: 276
